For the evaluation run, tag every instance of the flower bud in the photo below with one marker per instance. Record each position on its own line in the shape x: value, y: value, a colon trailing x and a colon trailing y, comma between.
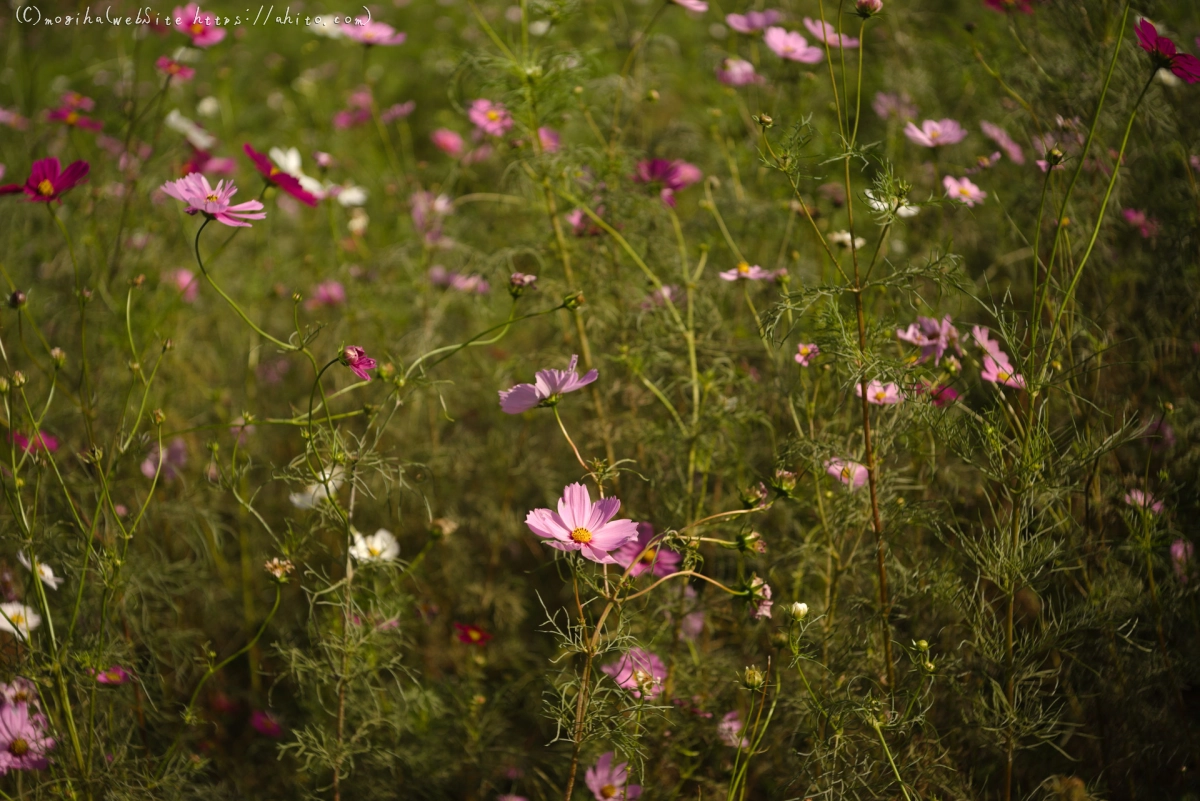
x: 785, y: 480
x: 4, y: 386
x: 59, y: 357
x: 765, y: 120
x: 574, y: 300
x: 442, y: 527
x: 158, y: 416
x: 279, y: 568
x: 18, y: 379
x: 17, y: 299
x: 753, y: 678
x: 751, y: 541
x: 867, y: 8
x: 519, y: 282
x: 799, y: 611
x: 922, y: 645
x: 138, y: 281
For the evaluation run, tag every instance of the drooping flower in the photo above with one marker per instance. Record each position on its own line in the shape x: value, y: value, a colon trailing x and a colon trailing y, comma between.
x: 610, y: 782
x: 202, y: 28
x: 549, y: 385
x: 24, y: 739
x: 1165, y: 55
x: 276, y: 176
x: 19, y: 619
x: 825, y: 32
x: 317, y: 493
x: 791, y: 46
x: 114, y: 675
x: 899, y: 106
x: 745, y: 272
x: 187, y: 283
x: 173, y: 460
x: 372, y: 33
x: 378, y: 547
x: 936, y: 133
x: 638, y: 671
x: 358, y: 361
x: 213, y: 202
x: 491, y: 118
x: 48, y: 181
x: 580, y: 525
x: 265, y: 724
x: 698, y: 6
x: 326, y: 294
x: 1181, y: 559
x: 40, y: 441
x: 44, y: 572
x: 760, y: 597
x: 729, y: 730
x: 805, y: 353
x: 1000, y: 371
x: 932, y: 336
x: 881, y: 394
x: 1006, y: 143
x: 173, y: 69
x: 852, y: 474
x: 737, y: 72
x: 671, y: 176
x: 448, y: 142
x: 646, y: 553
x: 752, y: 21
x: 1147, y: 226
x: 19, y: 691
x: 963, y: 190
x: 471, y: 634
x: 1141, y: 499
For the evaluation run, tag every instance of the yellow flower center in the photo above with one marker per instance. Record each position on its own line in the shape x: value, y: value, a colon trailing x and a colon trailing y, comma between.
x: 846, y: 472
x: 743, y: 268
x: 962, y: 190
x: 197, y: 28
x: 581, y: 535
x: 22, y: 697
x: 648, y: 556
x: 275, y: 171
x: 473, y: 635
x: 211, y: 198
x: 374, y: 550
x: 72, y: 118
x: 1003, y: 376
x: 46, y: 187
x: 608, y: 791
x: 17, y: 619
x: 880, y: 395
x: 19, y: 747
x: 493, y: 115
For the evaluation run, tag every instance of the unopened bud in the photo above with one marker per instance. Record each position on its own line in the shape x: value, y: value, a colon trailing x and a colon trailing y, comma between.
x: 574, y: 300
x: 753, y: 678
x: 168, y: 344
x: 138, y: 281
x: 799, y: 611
x: 922, y: 645
x: 17, y: 299
x: 158, y: 416
x: 4, y: 386
x: 765, y: 120
x: 867, y: 8
x: 652, y: 96
x: 59, y: 357
x: 18, y: 379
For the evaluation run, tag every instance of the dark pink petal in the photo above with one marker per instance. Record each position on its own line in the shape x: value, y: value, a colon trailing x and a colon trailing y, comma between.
x: 1187, y: 67
x: 1147, y: 36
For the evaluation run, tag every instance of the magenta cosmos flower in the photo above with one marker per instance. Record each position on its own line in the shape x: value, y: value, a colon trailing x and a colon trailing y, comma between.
x: 1147, y: 226
x: 852, y: 474
x: 671, y: 176
x: 610, y: 782
x: 358, y: 361
x: 880, y: 394
x: 1140, y: 499
x: 932, y: 336
x: 1001, y: 137
x: 265, y: 724
x: 24, y: 741
x: 745, y: 272
x: 753, y: 21
x: 40, y: 442
x: 288, y: 183
x: 48, y: 181
x: 638, y: 671
x: 936, y: 133
x: 1004, y: 6
x: 548, y: 387
x: 173, y: 69
x: 791, y: 46
x: 580, y: 525
x: 115, y: 675
x: 326, y: 294
x: 825, y: 32
x: 373, y: 33
x: 1164, y: 54
x: 71, y: 116
x: 963, y: 190
x: 213, y: 202
x: 737, y: 72
x: 1181, y: 558
x: 805, y: 353
x: 645, y: 553
x: 491, y: 118
x: 699, y: 6
x: 201, y: 27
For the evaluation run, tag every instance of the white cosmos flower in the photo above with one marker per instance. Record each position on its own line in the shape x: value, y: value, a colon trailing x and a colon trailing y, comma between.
x: 379, y: 547
x: 904, y: 209
x: 197, y: 136
x: 316, y: 494
x: 351, y: 195
x: 208, y: 107
x: 289, y: 161
x: 44, y: 571
x: 19, y: 619
x: 843, y: 238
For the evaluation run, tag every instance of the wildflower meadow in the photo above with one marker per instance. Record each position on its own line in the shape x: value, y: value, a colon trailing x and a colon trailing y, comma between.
x: 549, y: 400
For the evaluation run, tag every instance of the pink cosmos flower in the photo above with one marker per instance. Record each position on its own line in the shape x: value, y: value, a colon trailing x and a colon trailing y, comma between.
x: 173, y: 69
x: 549, y: 385
x: 48, y: 181
x: 428, y: 212
x: 900, y: 106
x: 990, y: 346
x: 173, y: 460
x: 12, y: 119
x: 1004, y: 6
x: 72, y: 117
x: 519, y: 282
x: 880, y: 394
x: 852, y: 474
x: 358, y: 361
x: 1144, y: 500
x: 936, y: 133
x: 645, y: 553
x: 671, y: 176
x: 213, y: 202
x: 580, y: 525
x: 805, y: 353
x: 351, y: 118
x: 963, y: 190
x: 737, y: 72
x: 638, y: 671
x: 698, y: 6
x: 1164, y: 54
x: 729, y: 730
x: 1147, y: 226
x: 752, y: 21
x: 608, y: 782
x: 448, y: 142
x: 1181, y: 559
x: 188, y: 285
x: 326, y: 294
x: 372, y: 33
x: 285, y: 181
x: 745, y: 272
x: 659, y: 297
x: 791, y: 46
x: 265, y: 724
x: 115, y: 675
x: 760, y: 596
x: 24, y: 740
x: 549, y: 139
x: 1000, y: 371
x: 825, y: 32
x: 1001, y: 137
x: 932, y: 336
x: 203, y: 161
x: 692, y: 624
x: 77, y: 101
x: 20, y: 691
x: 491, y: 118
x: 40, y: 442
x: 202, y: 28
